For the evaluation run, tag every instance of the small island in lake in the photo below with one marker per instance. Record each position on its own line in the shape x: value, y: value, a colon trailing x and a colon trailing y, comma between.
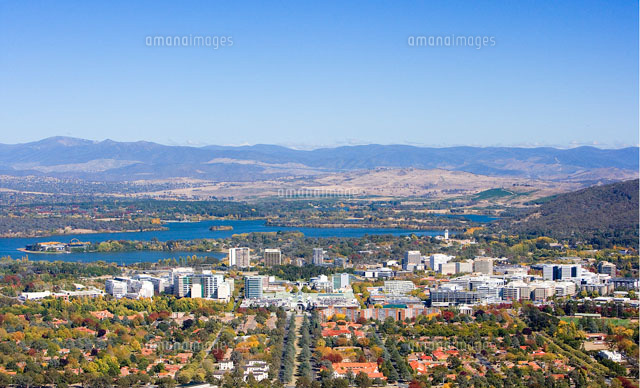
x: 221, y: 227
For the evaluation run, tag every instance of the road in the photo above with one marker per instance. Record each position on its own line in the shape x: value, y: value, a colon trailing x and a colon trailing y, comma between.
x: 299, y: 319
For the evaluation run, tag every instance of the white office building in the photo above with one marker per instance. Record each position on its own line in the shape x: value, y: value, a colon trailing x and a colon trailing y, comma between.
x: 116, y: 288
x: 438, y: 258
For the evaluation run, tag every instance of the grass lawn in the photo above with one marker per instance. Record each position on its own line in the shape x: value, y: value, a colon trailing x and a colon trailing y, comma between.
x: 613, y: 321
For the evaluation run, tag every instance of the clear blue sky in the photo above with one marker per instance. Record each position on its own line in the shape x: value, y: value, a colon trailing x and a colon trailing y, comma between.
x: 310, y: 73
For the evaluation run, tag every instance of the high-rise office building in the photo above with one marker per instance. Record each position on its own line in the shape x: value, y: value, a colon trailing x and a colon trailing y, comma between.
x: 239, y: 257
x: 253, y: 287
x: 561, y: 271
x: 341, y: 280
x: 272, y: 257
x: 411, y: 260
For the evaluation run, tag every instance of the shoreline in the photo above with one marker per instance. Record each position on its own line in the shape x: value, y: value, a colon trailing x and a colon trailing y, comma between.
x: 24, y: 250
x: 81, y: 231
x: 363, y: 226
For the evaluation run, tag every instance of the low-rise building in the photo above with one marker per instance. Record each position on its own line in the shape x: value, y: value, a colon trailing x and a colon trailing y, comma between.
x: 259, y: 370
x: 483, y: 265
x: 342, y: 369
x: 398, y: 287
x: 607, y: 268
x: 611, y: 355
x: 464, y: 266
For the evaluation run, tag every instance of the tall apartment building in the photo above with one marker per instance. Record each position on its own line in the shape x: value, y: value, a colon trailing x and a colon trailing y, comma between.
x: 411, y: 260
x: 318, y: 256
x: 253, y: 287
x: 177, y: 272
x: 272, y: 257
x: 239, y: 257
x: 483, y: 265
x: 182, y: 285
x: 210, y: 283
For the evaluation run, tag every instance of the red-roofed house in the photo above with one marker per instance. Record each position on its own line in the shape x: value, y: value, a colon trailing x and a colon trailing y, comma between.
x: 102, y: 314
x: 440, y: 355
x: 341, y: 369
x: 419, y: 367
x: 338, y: 332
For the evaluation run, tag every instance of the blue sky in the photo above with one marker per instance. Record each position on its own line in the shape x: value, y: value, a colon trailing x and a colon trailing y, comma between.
x: 321, y: 73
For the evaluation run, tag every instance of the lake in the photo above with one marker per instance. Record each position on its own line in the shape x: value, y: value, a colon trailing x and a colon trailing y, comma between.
x: 181, y: 231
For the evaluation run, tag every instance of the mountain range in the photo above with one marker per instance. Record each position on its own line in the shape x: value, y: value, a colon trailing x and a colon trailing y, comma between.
x: 109, y: 160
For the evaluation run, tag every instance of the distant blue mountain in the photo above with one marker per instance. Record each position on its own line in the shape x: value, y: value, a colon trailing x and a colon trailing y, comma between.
x: 110, y: 160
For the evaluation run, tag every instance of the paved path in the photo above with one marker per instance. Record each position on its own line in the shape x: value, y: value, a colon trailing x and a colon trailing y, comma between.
x: 299, y: 319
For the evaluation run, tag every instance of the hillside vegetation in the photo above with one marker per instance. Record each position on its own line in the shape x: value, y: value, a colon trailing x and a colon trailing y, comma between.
x: 601, y: 215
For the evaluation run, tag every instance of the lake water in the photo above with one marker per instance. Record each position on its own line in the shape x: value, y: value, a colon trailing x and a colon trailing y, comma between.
x: 181, y: 231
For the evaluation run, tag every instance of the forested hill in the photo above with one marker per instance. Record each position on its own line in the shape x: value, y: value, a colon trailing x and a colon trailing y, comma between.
x: 602, y: 215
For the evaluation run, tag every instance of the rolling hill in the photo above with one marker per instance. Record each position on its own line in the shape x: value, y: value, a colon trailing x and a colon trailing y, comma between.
x: 601, y: 215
